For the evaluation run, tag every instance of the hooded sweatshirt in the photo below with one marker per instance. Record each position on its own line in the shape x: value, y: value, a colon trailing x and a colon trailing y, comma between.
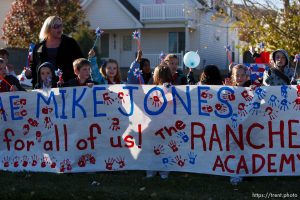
x: 54, y: 80
x: 270, y: 78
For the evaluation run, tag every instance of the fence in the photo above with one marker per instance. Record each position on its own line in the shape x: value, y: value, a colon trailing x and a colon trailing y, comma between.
x: 155, y: 59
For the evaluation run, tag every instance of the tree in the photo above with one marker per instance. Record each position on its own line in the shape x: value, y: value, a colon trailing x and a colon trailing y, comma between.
x: 264, y: 21
x: 86, y: 38
x: 25, y: 19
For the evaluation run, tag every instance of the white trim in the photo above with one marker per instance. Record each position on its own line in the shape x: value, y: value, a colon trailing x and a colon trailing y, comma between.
x: 138, y: 23
x: 85, y: 3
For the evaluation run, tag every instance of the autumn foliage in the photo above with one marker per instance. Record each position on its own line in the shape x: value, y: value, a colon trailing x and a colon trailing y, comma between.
x: 261, y: 22
x: 25, y: 19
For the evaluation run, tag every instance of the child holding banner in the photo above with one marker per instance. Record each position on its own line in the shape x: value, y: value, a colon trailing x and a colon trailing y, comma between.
x: 82, y: 68
x: 8, y: 82
x: 178, y: 78
x: 280, y: 73
x: 46, y: 76
x: 162, y: 76
x: 109, y: 71
x: 10, y: 68
x: 211, y: 75
x: 240, y: 76
x: 140, y: 71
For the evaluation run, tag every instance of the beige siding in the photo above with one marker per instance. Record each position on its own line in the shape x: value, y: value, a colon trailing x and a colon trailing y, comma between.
x: 213, y: 38
x: 109, y: 15
x: 4, y: 8
x: 157, y: 40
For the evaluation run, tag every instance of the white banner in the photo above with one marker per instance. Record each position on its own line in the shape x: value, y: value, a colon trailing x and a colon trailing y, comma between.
x: 202, y: 129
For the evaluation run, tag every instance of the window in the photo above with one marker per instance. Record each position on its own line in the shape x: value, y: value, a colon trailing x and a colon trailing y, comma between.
x: 176, y: 42
x: 127, y: 43
x: 104, y: 46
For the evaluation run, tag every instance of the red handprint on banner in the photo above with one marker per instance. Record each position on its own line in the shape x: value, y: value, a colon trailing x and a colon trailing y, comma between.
x: 121, y: 161
x: 53, y: 163
x: 297, y: 103
x: 229, y: 96
x: 156, y: 101
x: 221, y: 107
x: 16, y: 161
x: 34, y: 159
x: 5, y: 161
x: 22, y: 113
x: 206, y: 95
x: 20, y: 102
x: 246, y: 95
x: 120, y: 97
x: 44, y: 161
x: 24, y: 161
x: 33, y: 122
x: 180, y: 161
x: 173, y: 145
x: 270, y: 112
x: 86, y: 158
x: 26, y: 129
x: 81, y: 162
x: 69, y: 165
x: 65, y: 165
x: 91, y: 158
x: 107, y: 99
x: 38, y: 136
x: 207, y: 108
x: 46, y: 110
x: 48, y: 123
x: 115, y: 125
x: 159, y: 150
x: 242, y: 109
x: 109, y: 163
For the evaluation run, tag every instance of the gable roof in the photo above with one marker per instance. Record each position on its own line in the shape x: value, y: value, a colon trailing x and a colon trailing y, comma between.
x: 130, y: 8
x: 203, y: 3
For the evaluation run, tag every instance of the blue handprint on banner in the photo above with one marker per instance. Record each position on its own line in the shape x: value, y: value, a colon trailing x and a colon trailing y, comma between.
x: 260, y: 93
x: 273, y: 100
x: 183, y: 136
x: 192, y: 158
x: 284, y: 91
x: 168, y: 161
x: 255, y: 109
x: 284, y: 105
x: 234, y: 119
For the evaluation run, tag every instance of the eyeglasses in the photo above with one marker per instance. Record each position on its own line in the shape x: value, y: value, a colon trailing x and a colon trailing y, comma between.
x: 57, y: 26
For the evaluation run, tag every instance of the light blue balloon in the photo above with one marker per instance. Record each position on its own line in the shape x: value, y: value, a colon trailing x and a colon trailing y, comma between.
x: 191, y: 59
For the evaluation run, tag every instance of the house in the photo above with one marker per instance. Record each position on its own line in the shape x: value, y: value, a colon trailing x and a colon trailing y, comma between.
x: 171, y: 26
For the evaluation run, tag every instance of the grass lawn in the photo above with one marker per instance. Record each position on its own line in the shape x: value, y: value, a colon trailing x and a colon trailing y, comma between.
x: 133, y: 185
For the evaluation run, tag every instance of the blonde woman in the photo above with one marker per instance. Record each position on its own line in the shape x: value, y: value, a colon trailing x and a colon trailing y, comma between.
x: 56, y: 48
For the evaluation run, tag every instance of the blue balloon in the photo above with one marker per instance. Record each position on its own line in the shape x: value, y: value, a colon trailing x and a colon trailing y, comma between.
x: 191, y: 59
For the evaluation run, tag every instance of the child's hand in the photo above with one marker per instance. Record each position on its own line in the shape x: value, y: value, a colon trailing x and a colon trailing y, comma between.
x: 227, y: 81
x: 139, y: 56
x: 60, y: 82
x: 92, y: 53
x: 13, y: 88
x: 27, y: 72
x: 90, y: 84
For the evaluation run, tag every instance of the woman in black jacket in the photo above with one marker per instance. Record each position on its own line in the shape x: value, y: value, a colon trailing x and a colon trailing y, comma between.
x: 56, y: 48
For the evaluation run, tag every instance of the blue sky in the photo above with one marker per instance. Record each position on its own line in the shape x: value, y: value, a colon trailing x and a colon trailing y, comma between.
x: 276, y: 2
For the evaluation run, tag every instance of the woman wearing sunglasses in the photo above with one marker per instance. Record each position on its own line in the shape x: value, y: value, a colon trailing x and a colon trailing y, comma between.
x: 56, y: 48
